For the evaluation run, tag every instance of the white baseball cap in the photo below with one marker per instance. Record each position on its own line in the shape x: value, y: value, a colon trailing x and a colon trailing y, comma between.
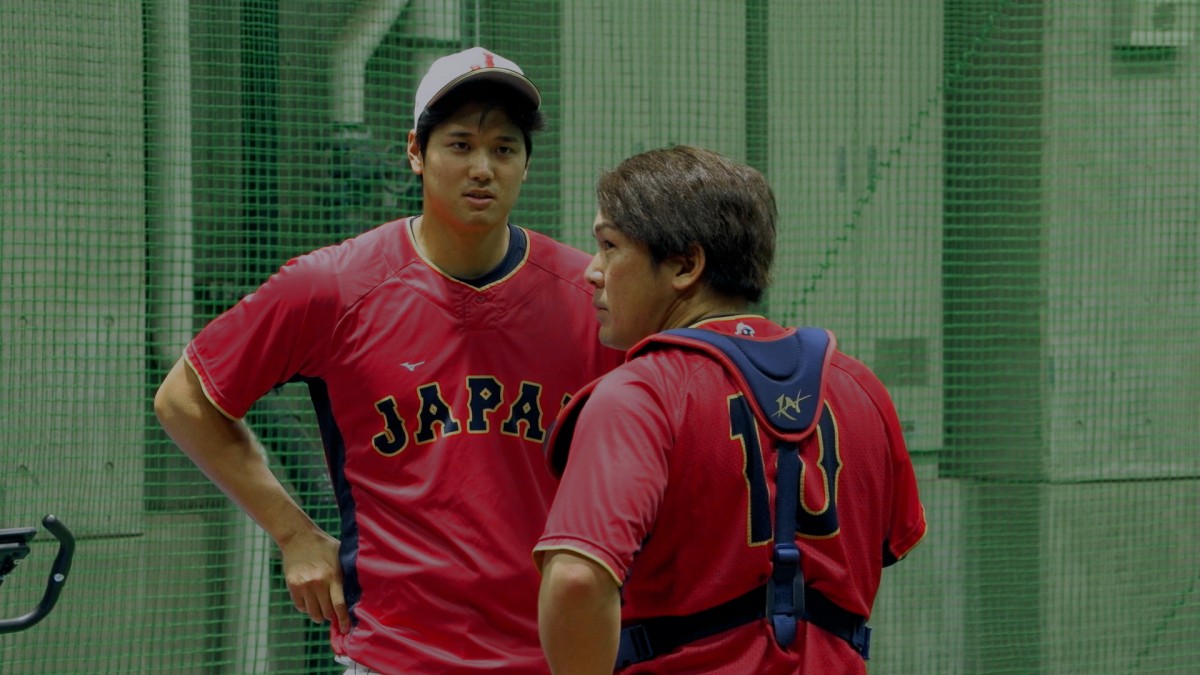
x: 471, y: 65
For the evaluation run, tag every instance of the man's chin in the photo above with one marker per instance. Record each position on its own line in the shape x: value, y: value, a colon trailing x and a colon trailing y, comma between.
x: 608, y: 340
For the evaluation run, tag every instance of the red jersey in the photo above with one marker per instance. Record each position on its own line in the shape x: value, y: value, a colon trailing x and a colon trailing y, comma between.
x: 434, y: 398
x: 660, y: 489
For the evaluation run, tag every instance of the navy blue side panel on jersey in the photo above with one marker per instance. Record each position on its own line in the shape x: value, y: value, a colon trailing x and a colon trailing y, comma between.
x: 335, y: 457
x: 784, y: 374
x: 557, y: 444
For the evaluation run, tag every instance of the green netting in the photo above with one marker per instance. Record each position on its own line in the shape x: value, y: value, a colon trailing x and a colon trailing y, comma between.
x: 993, y: 203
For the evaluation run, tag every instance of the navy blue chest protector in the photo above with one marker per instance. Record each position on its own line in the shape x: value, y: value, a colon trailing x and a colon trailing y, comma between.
x: 783, y: 377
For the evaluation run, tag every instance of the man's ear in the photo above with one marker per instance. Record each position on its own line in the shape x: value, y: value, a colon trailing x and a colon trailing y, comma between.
x: 415, y: 160
x: 688, y: 268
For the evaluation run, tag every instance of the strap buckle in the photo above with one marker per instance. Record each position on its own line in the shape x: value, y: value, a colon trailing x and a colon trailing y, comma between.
x: 785, y: 593
x: 861, y: 640
x: 634, y: 646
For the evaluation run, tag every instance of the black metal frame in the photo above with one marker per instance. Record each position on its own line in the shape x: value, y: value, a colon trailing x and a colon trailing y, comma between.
x: 14, y: 545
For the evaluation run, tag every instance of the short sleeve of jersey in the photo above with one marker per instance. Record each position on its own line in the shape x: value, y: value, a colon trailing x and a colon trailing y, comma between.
x: 907, y: 525
x: 611, y: 489
x: 908, y: 514
x: 266, y: 338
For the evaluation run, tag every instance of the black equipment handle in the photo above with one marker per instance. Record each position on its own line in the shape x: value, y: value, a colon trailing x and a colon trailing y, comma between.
x: 54, y: 585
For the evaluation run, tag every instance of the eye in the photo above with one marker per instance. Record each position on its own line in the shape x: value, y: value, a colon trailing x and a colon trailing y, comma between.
x: 506, y: 150
x: 459, y: 145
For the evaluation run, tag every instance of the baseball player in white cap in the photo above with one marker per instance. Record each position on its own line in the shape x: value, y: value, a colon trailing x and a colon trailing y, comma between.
x: 438, y: 349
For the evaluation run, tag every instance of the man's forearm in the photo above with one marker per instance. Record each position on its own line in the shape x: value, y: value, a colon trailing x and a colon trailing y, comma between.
x: 227, y: 452
x: 579, y: 615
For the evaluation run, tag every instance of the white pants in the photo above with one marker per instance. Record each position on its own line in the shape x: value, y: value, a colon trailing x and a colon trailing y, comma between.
x: 353, y: 668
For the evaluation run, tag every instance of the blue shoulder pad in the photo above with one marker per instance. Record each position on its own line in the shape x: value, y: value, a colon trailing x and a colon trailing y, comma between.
x: 783, y: 376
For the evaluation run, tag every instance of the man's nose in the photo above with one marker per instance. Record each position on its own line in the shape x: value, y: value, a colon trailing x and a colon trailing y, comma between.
x: 481, y: 165
x: 592, y: 273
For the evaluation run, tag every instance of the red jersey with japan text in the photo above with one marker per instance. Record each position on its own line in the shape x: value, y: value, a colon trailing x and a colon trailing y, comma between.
x: 434, y: 398
x: 659, y: 488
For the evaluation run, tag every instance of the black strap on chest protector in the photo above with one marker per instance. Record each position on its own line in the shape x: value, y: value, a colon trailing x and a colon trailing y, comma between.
x: 784, y: 604
x: 660, y: 635
x: 785, y: 599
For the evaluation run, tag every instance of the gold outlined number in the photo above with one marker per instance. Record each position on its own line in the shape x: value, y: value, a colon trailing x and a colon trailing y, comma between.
x: 818, y: 522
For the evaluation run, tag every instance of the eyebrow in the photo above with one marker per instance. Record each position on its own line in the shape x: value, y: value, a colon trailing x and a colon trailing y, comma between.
x: 466, y: 133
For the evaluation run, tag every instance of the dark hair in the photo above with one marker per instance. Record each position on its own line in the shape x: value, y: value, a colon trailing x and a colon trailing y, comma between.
x: 671, y: 198
x: 493, y: 96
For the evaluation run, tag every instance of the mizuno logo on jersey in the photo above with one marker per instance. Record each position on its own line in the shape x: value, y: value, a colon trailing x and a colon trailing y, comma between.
x: 412, y: 366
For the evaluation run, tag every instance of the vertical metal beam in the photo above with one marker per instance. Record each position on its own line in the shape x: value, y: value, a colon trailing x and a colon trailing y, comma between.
x: 260, y: 142
x: 992, y: 303
x: 757, y: 41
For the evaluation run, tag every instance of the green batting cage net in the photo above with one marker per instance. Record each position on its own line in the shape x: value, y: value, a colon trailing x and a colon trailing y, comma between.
x: 994, y: 204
